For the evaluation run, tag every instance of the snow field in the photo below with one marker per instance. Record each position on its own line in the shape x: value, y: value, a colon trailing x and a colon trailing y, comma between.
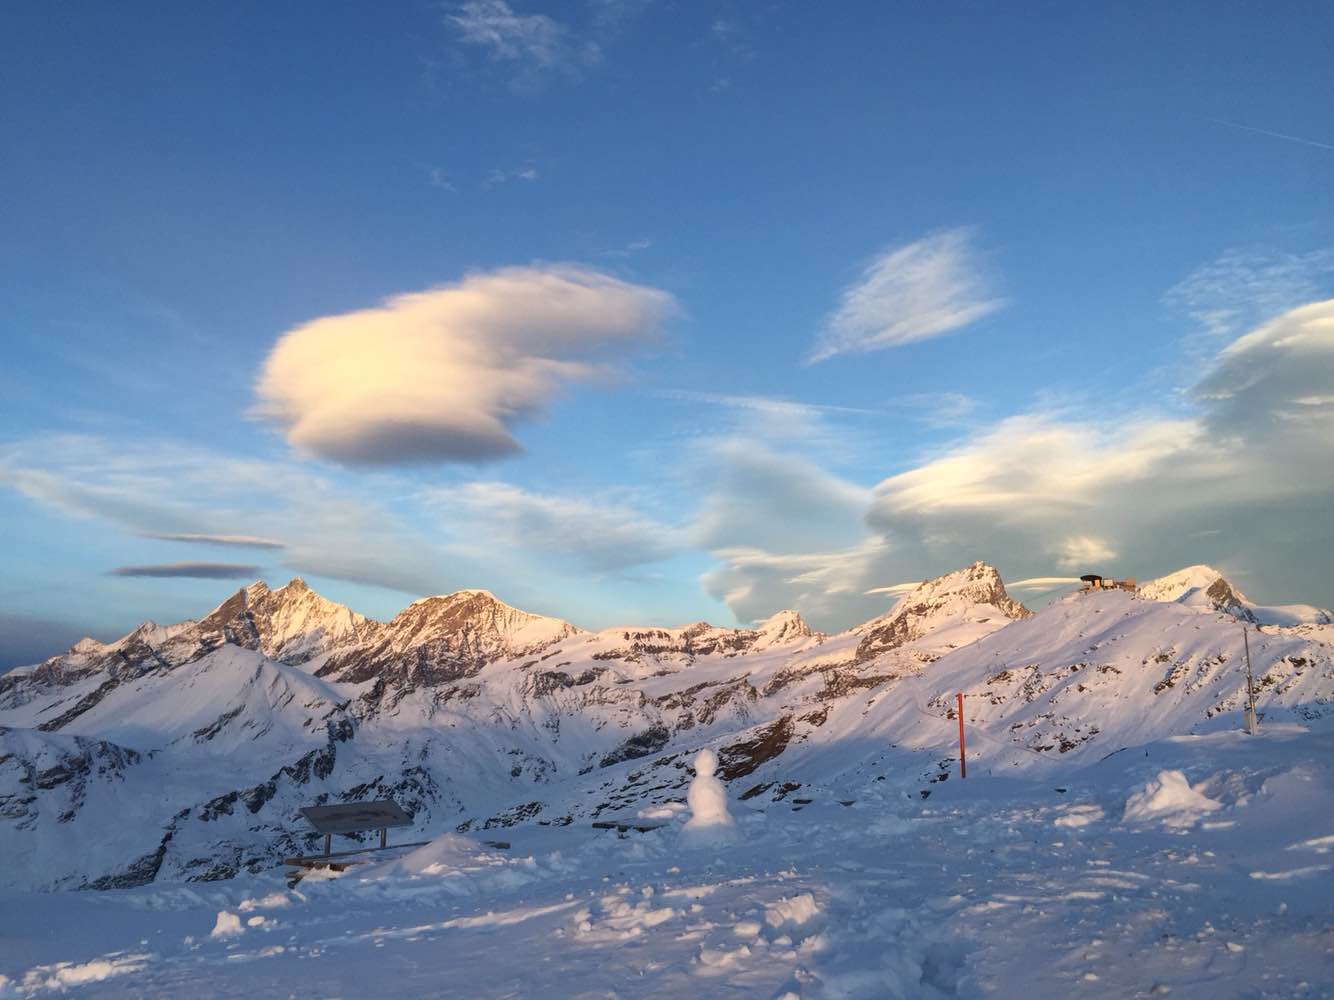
x: 974, y: 892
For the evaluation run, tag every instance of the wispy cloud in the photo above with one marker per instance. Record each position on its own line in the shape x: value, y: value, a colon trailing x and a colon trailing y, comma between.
x: 908, y: 293
x: 896, y: 588
x: 193, y: 570
x: 439, y: 178
x: 1273, y: 135
x: 1042, y: 584
x: 161, y: 487
x: 599, y: 536
x: 762, y: 404
x: 497, y: 176
x: 629, y: 250
x: 609, y: 17
x: 534, y: 45
x: 1246, y: 286
x: 237, y: 541
x: 937, y: 409
x: 732, y: 35
x: 443, y: 375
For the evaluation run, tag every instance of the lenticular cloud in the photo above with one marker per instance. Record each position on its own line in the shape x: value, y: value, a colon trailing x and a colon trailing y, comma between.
x: 442, y: 375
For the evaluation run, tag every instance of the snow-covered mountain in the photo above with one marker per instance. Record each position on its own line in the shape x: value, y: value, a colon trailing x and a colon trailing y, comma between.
x: 1206, y: 588
x: 184, y: 752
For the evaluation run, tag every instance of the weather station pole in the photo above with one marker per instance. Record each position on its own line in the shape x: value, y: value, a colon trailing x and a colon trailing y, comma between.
x: 1252, y: 724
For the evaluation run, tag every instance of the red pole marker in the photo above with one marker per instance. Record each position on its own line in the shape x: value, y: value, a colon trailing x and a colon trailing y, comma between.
x: 963, y: 764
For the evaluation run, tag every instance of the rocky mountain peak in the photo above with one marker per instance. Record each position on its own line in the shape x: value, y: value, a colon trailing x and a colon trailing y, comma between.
x: 257, y: 591
x: 292, y: 623
x: 784, y: 627
x: 979, y: 583
x: 1174, y: 586
x: 1199, y: 586
x: 975, y: 591
x: 1205, y: 589
x: 479, y: 620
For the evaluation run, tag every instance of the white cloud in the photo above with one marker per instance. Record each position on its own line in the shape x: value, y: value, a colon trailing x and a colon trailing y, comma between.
x: 1041, y: 584
x: 1281, y: 372
x: 600, y: 537
x: 779, y: 502
x: 912, y: 292
x: 443, y: 375
x: 1037, y: 469
x: 830, y: 588
x: 896, y: 588
x: 1082, y: 551
x: 535, y: 44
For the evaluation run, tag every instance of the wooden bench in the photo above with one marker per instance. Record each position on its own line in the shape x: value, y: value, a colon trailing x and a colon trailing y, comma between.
x: 346, y: 819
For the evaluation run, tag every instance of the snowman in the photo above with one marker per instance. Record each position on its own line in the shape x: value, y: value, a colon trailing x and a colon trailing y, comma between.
x: 710, y: 822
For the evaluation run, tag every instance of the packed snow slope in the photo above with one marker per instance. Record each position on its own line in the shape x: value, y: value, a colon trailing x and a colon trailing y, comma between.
x: 185, y: 752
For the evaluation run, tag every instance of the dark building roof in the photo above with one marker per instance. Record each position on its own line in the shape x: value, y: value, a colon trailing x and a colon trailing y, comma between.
x: 1090, y: 577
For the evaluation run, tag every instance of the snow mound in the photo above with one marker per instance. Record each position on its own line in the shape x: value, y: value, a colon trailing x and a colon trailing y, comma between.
x: 228, y: 924
x: 1169, y: 799
x: 447, y: 854
x: 1079, y: 816
x: 791, y: 914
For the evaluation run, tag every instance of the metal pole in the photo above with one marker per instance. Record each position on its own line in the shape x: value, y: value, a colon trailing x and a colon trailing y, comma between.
x: 328, y: 843
x: 963, y: 764
x: 384, y: 837
x: 1251, y: 723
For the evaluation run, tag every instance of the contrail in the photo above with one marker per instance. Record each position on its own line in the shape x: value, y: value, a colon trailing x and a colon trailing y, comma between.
x: 1276, y: 135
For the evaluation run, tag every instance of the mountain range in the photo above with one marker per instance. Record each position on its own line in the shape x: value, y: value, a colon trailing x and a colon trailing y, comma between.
x: 183, y: 752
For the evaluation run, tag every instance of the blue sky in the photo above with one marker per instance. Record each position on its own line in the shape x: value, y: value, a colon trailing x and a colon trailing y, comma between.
x: 720, y: 307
